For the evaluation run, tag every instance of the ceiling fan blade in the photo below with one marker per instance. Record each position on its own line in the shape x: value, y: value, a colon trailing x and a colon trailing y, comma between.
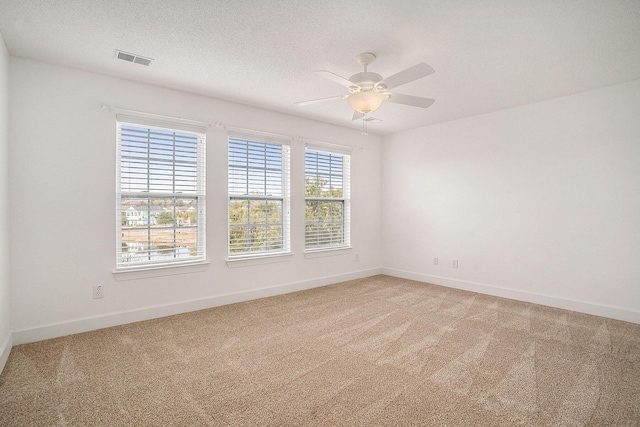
x: 335, y: 78
x: 357, y: 115
x: 415, y: 101
x: 318, y: 101
x: 410, y: 74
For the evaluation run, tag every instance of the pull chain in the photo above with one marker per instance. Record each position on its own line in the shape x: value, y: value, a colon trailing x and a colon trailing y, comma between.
x: 364, y: 124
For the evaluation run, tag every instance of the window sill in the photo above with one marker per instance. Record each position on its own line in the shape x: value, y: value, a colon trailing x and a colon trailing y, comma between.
x: 321, y: 253
x: 159, y: 271
x: 258, y: 260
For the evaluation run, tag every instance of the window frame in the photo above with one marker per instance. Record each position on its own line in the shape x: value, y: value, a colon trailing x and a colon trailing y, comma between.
x: 192, y: 169
x: 284, y: 197
x: 345, y: 200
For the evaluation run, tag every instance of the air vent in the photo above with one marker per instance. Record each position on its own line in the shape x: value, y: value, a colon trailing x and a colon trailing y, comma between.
x: 142, y: 61
x: 131, y: 57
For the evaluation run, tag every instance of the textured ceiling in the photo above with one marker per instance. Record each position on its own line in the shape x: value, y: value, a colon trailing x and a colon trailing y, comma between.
x: 488, y: 55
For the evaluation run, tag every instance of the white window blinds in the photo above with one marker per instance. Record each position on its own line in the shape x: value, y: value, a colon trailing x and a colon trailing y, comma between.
x: 160, y: 194
x: 258, y: 173
x: 327, y: 200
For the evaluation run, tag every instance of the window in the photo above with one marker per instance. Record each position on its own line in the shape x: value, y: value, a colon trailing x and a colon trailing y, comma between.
x: 160, y: 194
x: 327, y: 197
x: 258, y: 196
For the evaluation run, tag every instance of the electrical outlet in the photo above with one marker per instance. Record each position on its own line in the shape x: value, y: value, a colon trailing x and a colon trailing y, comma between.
x: 455, y: 263
x: 357, y: 257
x: 98, y: 292
x: 435, y: 261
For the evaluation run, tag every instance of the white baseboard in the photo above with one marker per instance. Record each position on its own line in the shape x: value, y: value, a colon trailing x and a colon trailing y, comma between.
x: 91, y: 323
x: 7, y: 345
x: 548, y: 300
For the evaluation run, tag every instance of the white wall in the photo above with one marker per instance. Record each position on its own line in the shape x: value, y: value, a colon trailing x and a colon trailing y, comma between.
x: 5, y: 305
x: 62, y: 146
x: 539, y: 203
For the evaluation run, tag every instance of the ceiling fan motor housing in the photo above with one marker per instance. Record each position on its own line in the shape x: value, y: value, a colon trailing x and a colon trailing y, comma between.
x: 366, y: 81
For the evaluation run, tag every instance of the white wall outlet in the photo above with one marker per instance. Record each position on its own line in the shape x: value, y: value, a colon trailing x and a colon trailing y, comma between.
x: 98, y: 292
x: 455, y: 263
x: 435, y: 261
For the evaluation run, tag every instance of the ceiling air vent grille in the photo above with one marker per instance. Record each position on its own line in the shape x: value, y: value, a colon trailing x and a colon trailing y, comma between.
x: 131, y: 57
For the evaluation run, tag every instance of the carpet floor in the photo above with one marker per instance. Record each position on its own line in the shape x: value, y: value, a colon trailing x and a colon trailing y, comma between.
x: 379, y: 351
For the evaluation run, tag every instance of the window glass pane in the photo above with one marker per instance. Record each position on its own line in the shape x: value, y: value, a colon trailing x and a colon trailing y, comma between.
x: 257, y: 239
x: 238, y: 212
x: 274, y: 237
x: 311, y: 211
x: 238, y: 238
x: 274, y: 212
x: 155, y: 160
x: 255, y: 168
x: 324, y: 223
x: 135, y: 244
x: 258, y: 212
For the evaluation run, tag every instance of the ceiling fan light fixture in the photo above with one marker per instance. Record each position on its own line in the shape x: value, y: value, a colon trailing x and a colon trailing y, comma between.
x: 366, y: 102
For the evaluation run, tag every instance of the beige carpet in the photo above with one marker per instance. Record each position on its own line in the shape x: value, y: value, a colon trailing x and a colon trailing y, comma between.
x: 380, y: 351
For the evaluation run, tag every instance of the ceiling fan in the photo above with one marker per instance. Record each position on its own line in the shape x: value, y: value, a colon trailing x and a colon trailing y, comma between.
x: 367, y: 90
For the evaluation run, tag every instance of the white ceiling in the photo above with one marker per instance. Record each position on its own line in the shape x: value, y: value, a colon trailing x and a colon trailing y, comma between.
x: 488, y: 55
